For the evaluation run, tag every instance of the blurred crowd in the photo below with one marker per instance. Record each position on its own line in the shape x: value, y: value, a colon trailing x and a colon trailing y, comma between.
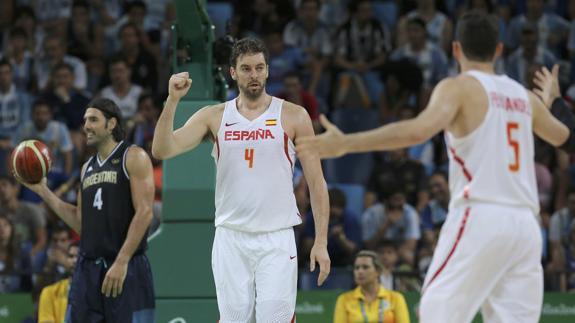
x: 362, y: 63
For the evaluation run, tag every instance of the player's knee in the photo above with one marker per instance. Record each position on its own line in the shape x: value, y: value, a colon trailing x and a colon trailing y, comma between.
x: 274, y: 312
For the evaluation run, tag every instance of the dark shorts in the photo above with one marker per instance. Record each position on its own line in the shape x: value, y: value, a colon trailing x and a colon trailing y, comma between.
x: 87, y: 304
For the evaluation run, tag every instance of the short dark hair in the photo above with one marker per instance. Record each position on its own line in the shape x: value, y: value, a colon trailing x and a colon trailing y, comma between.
x: 81, y: 4
x: 417, y: 21
x: 118, y: 58
x: 63, y: 66
x: 40, y: 103
x: 353, y: 5
x: 126, y: 26
x: 478, y: 34
x: 18, y: 32
x: 337, y: 198
x: 317, y: 3
x: 248, y: 45
x: 5, y: 62
x: 110, y: 110
x: 440, y: 173
x: 10, y: 179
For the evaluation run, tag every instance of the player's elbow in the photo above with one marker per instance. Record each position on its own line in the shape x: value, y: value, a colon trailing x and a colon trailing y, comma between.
x: 158, y: 152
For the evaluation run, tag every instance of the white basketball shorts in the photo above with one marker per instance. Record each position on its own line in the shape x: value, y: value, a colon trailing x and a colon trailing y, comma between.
x: 489, y: 257
x: 255, y: 275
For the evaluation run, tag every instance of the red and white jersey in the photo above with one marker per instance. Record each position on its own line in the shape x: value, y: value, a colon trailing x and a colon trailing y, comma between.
x: 254, y: 162
x: 494, y: 163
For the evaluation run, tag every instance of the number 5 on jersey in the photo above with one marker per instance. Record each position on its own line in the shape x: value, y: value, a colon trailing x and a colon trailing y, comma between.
x: 514, y: 167
x: 249, y: 157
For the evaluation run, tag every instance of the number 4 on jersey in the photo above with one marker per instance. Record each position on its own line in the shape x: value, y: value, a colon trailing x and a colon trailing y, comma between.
x: 98, y: 203
x: 249, y: 157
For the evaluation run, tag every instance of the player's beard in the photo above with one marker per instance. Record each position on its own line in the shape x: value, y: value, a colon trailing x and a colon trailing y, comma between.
x: 252, y: 93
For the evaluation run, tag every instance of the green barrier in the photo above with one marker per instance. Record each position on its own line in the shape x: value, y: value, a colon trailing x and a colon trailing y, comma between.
x: 15, y: 307
x: 312, y: 307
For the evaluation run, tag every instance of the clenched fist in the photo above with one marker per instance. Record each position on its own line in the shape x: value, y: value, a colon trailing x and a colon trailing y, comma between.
x: 179, y: 85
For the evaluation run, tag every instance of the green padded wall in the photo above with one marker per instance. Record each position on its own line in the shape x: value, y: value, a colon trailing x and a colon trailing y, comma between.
x: 180, y: 253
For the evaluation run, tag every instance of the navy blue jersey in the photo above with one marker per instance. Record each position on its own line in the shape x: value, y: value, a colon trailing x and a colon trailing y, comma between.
x: 107, y: 208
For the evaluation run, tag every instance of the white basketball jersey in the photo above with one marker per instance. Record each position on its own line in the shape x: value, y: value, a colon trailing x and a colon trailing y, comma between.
x: 254, y: 162
x: 494, y: 163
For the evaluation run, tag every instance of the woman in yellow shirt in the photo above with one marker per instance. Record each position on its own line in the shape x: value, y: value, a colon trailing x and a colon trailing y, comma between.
x: 370, y: 302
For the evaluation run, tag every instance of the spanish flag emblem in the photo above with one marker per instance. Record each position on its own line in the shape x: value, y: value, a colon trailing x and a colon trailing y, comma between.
x: 271, y: 122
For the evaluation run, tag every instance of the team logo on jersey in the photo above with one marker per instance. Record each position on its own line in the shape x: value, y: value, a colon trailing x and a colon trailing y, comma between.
x: 271, y: 122
x: 89, y: 169
x: 260, y: 134
x: 115, y: 161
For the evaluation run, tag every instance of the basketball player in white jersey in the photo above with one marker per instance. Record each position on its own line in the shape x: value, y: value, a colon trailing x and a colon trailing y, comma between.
x: 254, y: 253
x: 488, y: 253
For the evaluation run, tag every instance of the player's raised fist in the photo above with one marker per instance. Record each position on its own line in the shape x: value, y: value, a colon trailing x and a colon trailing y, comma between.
x: 179, y: 85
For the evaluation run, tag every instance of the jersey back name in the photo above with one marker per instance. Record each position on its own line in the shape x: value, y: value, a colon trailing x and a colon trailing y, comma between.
x: 494, y: 163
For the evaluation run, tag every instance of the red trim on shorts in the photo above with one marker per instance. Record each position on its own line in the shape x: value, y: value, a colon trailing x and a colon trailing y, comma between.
x: 459, y: 235
x: 293, y: 318
x: 218, y: 147
x: 286, y: 139
x: 461, y: 163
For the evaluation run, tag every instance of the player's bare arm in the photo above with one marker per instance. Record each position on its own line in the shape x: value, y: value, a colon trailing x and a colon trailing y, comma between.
x: 298, y: 122
x: 139, y: 169
x: 168, y: 142
x: 442, y: 109
x: 69, y: 213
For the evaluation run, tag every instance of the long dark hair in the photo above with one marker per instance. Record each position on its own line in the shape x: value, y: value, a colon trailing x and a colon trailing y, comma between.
x: 110, y: 110
x: 12, y: 251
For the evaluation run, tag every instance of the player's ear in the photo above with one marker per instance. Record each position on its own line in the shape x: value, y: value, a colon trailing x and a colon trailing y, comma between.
x: 112, y: 123
x: 456, y: 50
x: 498, y: 50
x: 233, y: 72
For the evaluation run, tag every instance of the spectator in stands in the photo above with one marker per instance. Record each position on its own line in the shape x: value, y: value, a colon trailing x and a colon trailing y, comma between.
x: 141, y: 62
x: 387, y: 251
x: 85, y: 38
x: 428, y: 56
x: 52, y: 15
x: 559, y: 231
x: 258, y: 16
x: 50, y: 263
x: 22, y: 60
x: 344, y: 231
x: 403, y: 81
x: 309, y: 33
x: 282, y: 60
x: 361, y: 47
x: 376, y: 303
x: 14, y: 104
x: 435, y: 212
x: 144, y: 121
x: 53, y: 133
x: 29, y: 221
x: 394, y: 220
x: 551, y: 28
x: 54, y: 298
x: 439, y: 27
x: 69, y: 104
x: 25, y: 18
x: 122, y: 91
x: 54, y: 54
x: 12, y: 259
x: 294, y: 92
x: 397, y: 169
x: 530, y: 52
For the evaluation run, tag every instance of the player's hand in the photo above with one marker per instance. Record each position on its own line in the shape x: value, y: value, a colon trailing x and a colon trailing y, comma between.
x: 326, y: 145
x: 36, y: 188
x: 547, y: 85
x: 179, y: 85
x: 114, y: 280
x: 319, y: 253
